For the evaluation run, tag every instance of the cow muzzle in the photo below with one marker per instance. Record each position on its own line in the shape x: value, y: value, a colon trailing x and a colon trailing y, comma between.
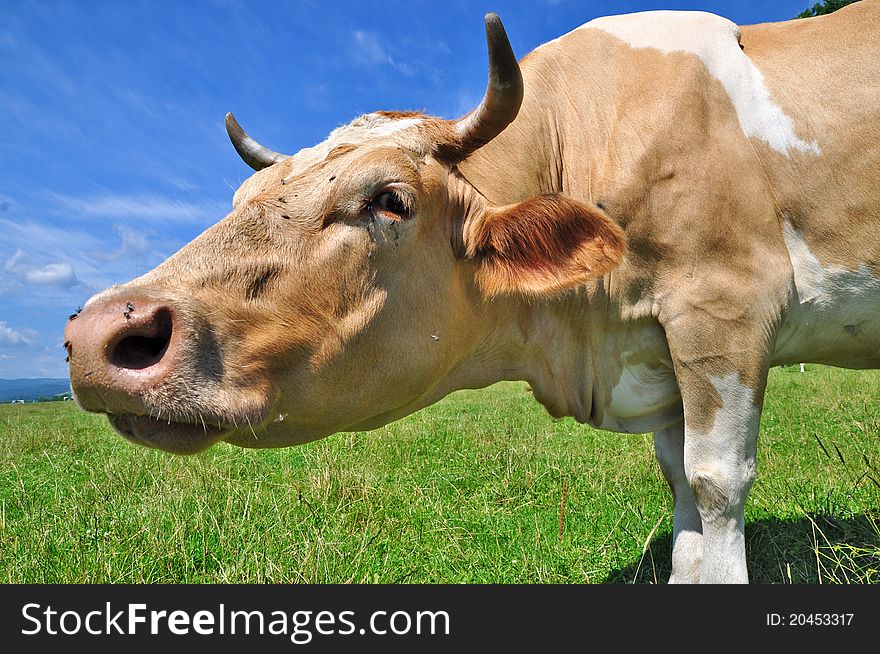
x: 128, y: 354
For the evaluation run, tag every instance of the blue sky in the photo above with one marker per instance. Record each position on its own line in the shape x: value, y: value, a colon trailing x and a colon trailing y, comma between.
x: 113, y: 152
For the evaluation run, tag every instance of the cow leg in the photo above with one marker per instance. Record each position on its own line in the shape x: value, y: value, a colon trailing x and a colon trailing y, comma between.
x: 721, y: 369
x: 722, y: 413
x: 687, y: 531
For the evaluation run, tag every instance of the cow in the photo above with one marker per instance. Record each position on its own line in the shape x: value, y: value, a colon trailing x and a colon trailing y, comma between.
x: 639, y: 219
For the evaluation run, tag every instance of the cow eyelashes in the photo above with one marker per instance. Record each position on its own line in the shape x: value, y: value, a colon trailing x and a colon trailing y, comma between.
x: 392, y: 204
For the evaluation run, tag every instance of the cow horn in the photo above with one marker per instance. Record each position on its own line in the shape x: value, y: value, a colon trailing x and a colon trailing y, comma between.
x: 504, y: 93
x: 255, y: 155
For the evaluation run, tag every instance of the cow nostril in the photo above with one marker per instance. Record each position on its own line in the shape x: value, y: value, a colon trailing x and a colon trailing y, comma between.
x: 146, y: 345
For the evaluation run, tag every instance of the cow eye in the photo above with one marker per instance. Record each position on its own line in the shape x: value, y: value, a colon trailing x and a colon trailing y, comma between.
x: 392, y: 202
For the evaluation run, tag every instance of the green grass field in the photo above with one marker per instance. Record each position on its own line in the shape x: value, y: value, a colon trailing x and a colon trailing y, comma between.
x: 470, y: 490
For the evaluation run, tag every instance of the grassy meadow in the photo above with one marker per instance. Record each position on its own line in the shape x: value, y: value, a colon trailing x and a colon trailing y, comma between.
x: 483, y: 487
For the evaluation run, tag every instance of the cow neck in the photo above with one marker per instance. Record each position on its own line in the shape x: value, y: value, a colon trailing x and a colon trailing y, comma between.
x: 546, y: 343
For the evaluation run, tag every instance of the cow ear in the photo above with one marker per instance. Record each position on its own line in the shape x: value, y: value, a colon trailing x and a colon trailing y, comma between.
x: 541, y: 246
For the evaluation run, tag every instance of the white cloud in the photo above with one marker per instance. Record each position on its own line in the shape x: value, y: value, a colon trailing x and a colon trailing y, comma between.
x: 53, y: 274
x: 16, y: 337
x: 57, y: 273
x: 146, y: 206
x: 370, y: 52
x: 9, y: 286
x: 181, y: 183
x: 134, y: 243
x: 97, y: 258
x: 15, y: 261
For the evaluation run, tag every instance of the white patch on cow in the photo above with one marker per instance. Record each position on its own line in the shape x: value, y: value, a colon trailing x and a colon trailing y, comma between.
x: 362, y: 129
x: 642, y: 390
x: 836, y: 318
x: 820, y: 286
x: 736, y: 418
x: 392, y: 125
x: 368, y: 126
x: 646, y: 396
x: 809, y: 275
x: 722, y: 460
x: 738, y: 413
x: 715, y: 40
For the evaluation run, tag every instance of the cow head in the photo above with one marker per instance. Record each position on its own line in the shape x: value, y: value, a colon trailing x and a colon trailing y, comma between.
x: 345, y: 289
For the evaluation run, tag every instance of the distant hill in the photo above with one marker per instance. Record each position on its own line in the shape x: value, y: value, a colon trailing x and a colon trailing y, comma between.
x: 32, y: 389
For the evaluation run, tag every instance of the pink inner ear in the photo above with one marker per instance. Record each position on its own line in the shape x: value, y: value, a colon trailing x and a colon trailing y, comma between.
x: 544, y: 245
